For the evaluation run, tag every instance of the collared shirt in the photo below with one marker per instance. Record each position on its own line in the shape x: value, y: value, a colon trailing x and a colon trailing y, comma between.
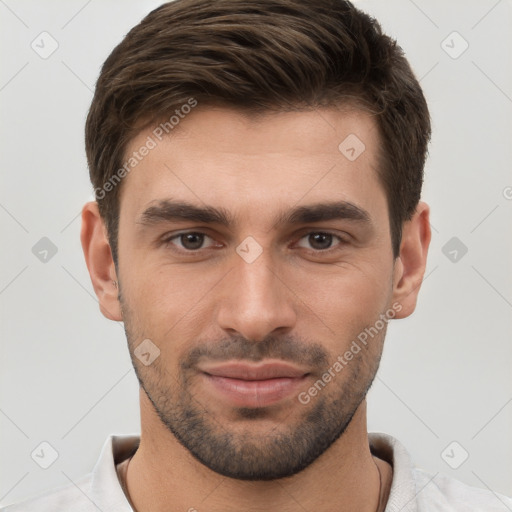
x: 412, y: 489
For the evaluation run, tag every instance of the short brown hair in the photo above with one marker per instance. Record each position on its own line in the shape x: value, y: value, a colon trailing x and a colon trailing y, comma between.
x: 259, y: 56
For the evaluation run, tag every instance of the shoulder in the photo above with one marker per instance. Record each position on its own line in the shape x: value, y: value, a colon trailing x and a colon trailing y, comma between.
x: 415, y: 490
x: 72, y: 498
x: 440, y: 492
x: 97, y: 490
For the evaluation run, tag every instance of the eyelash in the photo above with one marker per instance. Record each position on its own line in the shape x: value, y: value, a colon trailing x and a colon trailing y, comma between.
x: 167, y: 241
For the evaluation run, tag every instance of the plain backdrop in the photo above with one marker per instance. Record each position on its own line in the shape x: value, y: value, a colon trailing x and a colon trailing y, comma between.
x: 444, y: 388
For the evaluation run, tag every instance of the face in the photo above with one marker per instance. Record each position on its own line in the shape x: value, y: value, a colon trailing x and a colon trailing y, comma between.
x: 254, y: 256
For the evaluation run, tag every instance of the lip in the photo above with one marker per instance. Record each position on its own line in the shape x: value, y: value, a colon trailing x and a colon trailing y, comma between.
x: 249, y: 372
x: 253, y: 386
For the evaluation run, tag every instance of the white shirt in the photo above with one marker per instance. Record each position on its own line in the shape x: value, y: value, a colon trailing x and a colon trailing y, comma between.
x: 412, y: 489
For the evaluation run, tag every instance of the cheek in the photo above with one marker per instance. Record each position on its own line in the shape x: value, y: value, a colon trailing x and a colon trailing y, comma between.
x: 163, y: 289
x: 345, y: 298
x: 172, y: 305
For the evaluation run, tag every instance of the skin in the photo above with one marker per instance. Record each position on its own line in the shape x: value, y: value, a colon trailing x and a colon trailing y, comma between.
x: 256, y: 169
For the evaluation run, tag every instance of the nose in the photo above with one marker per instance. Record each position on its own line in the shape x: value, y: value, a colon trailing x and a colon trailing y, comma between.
x: 256, y: 301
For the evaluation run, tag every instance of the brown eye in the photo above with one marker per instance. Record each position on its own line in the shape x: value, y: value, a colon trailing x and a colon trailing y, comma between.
x: 319, y: 241
x: 189, y: 241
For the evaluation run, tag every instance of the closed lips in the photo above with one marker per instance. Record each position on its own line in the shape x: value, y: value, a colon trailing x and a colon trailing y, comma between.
x: 265, y: 371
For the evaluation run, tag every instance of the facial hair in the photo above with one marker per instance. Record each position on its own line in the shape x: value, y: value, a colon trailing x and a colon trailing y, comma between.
x: 283, y: 450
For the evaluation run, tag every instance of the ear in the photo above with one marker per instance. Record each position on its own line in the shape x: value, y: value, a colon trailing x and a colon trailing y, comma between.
x: 412, y: 260
x: 99, y: 261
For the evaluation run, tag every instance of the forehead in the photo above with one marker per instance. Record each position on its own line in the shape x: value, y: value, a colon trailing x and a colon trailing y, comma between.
x: 250, y: 165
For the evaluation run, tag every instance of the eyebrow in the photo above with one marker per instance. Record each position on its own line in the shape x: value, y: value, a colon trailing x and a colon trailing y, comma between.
x: 168, y: 210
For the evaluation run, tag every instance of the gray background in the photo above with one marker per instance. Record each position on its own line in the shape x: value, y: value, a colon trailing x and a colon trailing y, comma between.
x: 66, y: 377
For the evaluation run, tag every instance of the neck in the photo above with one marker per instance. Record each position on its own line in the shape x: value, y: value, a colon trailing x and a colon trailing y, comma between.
x: 164, y: 476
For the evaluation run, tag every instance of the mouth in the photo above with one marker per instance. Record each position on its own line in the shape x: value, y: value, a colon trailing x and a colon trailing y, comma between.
x: 253, y: 386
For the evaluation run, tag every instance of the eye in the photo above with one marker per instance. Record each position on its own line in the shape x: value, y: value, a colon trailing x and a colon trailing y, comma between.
x: 190, y: 241
x: 319, y: 241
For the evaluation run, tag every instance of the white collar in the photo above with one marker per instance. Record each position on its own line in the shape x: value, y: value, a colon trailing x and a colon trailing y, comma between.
x: 108, y: 494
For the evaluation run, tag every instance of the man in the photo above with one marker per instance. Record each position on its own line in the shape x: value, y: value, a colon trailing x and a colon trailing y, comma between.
x: 258, y: 169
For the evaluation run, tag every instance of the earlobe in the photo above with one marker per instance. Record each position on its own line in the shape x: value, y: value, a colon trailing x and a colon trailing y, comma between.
x: 100, y: 264
x: 412, y: 261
